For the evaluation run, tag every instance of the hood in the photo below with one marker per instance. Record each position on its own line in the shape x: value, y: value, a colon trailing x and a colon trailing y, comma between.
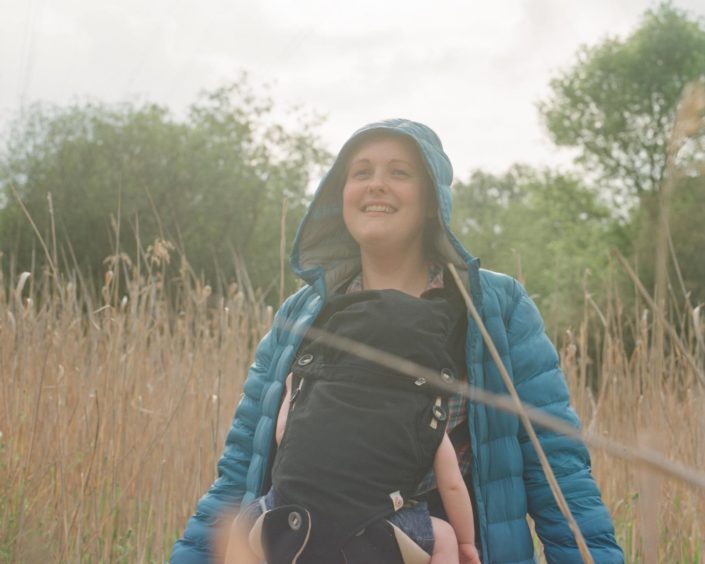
x: 325, y: 255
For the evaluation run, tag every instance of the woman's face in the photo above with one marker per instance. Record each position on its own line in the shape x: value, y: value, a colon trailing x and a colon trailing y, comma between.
x: 386, y: 197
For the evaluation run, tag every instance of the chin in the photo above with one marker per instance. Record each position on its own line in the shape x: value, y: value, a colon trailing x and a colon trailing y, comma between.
x: 373, y: 239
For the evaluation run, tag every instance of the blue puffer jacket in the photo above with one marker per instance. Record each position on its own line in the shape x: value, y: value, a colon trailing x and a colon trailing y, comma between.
x: 507, y: 480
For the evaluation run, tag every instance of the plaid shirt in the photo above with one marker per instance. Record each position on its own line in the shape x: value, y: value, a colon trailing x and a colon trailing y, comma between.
x: 457, y: 404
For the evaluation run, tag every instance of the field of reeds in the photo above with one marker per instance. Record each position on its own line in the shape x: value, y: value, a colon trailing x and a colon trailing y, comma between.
x: 113, y: 411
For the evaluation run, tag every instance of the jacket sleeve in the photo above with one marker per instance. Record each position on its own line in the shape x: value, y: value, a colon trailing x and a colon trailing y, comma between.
x: 541, y: 383
x: 228, y: 489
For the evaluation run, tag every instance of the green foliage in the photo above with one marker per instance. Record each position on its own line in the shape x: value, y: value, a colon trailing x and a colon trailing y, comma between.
x: 212, y: 183
x: 687, y: 257
x: 617, y: 103
x: 545, y: 227
x: 688, y: 235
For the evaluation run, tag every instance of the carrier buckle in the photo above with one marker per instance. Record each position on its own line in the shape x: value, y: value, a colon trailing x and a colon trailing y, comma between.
x: 280, y: 535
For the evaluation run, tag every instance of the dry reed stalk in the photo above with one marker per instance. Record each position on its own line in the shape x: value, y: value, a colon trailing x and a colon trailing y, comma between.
x: 120, y: 401
x: 662, y: 322
x: 649, y: 502
x: 36, y: 230
x: 689, y: 122
x: 526, y: 422
x: 633, y: 404
x: 111, y: 403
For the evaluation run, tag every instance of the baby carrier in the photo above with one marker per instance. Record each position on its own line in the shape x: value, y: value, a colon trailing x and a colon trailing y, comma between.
x: 359, y: 437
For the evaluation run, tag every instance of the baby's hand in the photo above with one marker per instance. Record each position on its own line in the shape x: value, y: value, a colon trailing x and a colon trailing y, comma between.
x: 468, y: 553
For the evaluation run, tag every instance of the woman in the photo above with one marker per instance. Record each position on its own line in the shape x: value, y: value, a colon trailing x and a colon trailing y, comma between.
x: 388, y: 230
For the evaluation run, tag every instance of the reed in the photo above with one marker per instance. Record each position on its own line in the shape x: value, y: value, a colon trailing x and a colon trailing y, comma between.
x: 113, y: 413
x: 113, y: 410
x: 656, y: 405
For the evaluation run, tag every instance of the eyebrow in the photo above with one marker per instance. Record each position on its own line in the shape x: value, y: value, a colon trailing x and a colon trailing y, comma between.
x: 365, y: 160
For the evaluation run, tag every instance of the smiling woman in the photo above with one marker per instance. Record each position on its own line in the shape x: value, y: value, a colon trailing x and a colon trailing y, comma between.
x: 388, y: 208
x: 373, y: 249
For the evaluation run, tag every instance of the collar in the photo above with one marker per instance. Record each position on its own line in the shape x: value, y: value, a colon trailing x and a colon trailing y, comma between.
x: 435, y: 280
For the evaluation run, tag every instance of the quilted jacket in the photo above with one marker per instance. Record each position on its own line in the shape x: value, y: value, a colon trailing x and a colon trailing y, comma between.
x: 507, y: 480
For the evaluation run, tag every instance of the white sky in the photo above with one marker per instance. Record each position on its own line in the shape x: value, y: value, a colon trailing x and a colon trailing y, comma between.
x: 471, y: 70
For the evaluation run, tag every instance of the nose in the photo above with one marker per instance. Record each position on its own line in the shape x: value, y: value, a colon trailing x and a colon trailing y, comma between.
x: 376, y: 183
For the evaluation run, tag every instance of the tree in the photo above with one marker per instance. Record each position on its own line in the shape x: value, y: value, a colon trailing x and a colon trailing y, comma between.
x: 212, y: 183
x: 688, y: 237
x: 481, y: 207
x: 546, y: 227
x: 617, y: 103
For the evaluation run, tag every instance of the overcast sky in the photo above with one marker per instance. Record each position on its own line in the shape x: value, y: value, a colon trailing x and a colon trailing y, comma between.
x: 471, y: 70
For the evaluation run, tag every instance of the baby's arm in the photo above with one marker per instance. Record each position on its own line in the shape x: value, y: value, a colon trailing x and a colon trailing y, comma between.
x: 456, y: 499
x: 283, y: 411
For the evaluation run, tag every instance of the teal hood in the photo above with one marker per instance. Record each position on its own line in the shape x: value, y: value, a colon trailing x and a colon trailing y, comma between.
x: 325, y: 255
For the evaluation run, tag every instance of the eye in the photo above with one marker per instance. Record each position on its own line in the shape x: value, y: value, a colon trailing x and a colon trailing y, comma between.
x: 401, y: 173
x: 360, y: 173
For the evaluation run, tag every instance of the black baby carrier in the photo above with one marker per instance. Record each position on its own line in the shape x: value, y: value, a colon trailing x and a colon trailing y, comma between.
x: 359, y: 437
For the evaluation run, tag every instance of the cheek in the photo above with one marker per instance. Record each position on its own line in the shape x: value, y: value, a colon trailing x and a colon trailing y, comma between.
x: 353, y: 192
x: 350, y: 201
x: 347, y: 195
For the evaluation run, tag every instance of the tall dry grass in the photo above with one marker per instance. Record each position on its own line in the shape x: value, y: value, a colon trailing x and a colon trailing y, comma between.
x: 639, y: 402
x: 113, y: 414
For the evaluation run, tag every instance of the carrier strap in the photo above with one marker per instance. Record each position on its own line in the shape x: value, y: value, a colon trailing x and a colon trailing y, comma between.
x: 279, y: 536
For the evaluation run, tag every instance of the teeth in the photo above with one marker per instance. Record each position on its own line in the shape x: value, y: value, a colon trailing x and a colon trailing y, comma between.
x: 379, y: 208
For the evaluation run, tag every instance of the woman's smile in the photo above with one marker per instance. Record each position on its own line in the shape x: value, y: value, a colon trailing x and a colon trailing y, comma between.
x: 382, y: 209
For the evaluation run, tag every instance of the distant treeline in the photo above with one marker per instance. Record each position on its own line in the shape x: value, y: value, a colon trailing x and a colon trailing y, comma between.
x: 103, y: 182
